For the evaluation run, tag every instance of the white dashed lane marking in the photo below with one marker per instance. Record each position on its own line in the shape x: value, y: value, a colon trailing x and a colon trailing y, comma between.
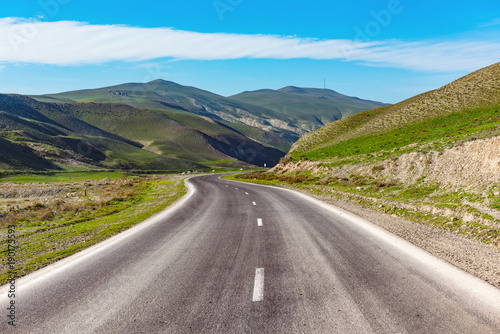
x: 258, y: 287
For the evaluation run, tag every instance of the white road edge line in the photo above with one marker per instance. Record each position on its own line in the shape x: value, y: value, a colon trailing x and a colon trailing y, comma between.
x: 259, y: 222
x: 254, y: 203
x: 258, y: 286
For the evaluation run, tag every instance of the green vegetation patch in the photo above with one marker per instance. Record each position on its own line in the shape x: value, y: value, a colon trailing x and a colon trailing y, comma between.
x: 59, y: 219
x: 442, y: 132
x: 60, y: 177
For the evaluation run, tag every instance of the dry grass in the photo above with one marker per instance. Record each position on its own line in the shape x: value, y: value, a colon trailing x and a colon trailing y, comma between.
x: 81, y: 214
x: 35, y: 203
x: 300, y: 178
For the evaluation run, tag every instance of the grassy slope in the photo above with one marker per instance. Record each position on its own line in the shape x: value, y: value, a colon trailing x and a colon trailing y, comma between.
x: 40, y: 136
x: 476, y: 92
x: 435, y: 134
x: 13, y: 156
x: 313, y: 106
x: 107, y: 135
x: 180, y: 135
x: 166, y: 134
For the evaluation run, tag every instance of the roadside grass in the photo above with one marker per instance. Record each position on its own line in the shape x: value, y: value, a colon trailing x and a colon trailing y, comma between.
x: 217, y: 162
x: 81, y: 214
x: 60, y: 177
x: 425, y: 203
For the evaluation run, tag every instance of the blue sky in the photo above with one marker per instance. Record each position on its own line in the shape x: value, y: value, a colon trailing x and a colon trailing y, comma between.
x: 381, y: 50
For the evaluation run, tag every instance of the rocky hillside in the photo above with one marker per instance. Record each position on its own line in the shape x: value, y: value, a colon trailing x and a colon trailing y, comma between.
x: 473, y: 164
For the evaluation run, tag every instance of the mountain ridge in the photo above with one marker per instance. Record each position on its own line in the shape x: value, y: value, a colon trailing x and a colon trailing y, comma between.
x: 285, y: 120
x: 168, y: 95
x: 311, y: 107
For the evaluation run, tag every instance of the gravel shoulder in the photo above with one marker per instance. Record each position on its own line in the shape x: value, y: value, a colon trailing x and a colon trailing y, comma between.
x: 469, y: 255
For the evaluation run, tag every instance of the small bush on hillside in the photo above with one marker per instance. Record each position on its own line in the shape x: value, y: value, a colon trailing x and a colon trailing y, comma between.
x: 285, y: 160
x: 376, y: 169
x: 257, y: 176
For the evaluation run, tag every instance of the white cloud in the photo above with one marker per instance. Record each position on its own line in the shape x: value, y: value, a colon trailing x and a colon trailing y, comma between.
x: 74, y: 43
x: 492, y: 23
x: 149, y: 65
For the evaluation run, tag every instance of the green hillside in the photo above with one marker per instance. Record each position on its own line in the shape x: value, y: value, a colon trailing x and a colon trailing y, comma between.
x: 446, y: 115
x: 40, y: 136
x: 310, y: 107
x: 179, y: 135
x: 51, y: 136
x: 166, y: 95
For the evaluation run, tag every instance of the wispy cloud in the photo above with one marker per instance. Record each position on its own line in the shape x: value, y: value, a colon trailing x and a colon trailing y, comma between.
x: 149, y: 65
x: 492, y: 23
x: 74, y: 43
x: 2, y: 67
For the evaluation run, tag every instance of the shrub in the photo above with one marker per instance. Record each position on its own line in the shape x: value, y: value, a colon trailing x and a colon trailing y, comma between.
x: 257, y: 176
x: 285, y: 160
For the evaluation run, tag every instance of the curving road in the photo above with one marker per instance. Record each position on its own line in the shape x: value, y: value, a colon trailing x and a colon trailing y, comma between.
x: 242, y: 258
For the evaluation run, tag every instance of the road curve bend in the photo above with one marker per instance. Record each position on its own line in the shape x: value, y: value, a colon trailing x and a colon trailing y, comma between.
x: 232, y: 257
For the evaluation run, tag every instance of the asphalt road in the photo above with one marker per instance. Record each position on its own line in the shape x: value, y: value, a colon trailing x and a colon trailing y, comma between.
x: 242, y: 258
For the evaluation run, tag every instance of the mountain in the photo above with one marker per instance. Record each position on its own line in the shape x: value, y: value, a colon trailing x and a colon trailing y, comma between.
x: 311, y: 108
x: 276, y: 129
x: 161, y: 125
x: 49, y: 136
x: 276, y: 118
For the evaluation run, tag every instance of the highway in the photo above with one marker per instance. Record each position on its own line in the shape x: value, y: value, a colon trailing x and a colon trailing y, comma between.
x: 232, y: 257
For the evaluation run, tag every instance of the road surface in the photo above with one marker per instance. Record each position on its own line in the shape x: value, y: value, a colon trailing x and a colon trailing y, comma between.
x: 242, y: 258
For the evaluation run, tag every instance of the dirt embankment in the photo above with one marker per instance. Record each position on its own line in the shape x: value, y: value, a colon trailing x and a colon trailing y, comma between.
x: 474, y: 164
